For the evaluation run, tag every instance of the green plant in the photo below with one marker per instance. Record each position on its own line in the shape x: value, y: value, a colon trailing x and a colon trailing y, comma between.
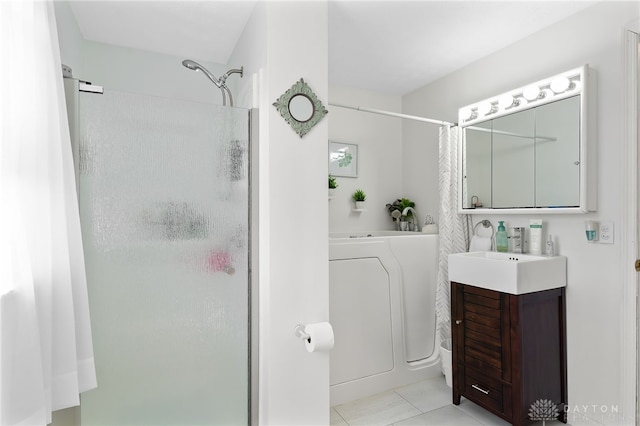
x: 399, y: 205
x: 359, y: 195
x: 332, y: 182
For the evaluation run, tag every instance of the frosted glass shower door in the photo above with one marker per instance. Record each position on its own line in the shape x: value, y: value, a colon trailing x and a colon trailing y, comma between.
x: 164, y: 211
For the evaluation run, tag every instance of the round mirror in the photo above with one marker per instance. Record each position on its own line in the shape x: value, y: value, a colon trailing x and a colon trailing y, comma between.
x: 301, y: 108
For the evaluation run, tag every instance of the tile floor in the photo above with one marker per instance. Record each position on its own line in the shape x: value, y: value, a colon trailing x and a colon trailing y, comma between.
x: 424, y: 403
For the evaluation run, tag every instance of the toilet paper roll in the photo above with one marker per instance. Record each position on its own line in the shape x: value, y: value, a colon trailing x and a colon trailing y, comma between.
x: 479, y: 243
x: 320, y: 337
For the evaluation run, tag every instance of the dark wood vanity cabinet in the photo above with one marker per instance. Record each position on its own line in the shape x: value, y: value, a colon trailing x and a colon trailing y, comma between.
x: 509, y: 352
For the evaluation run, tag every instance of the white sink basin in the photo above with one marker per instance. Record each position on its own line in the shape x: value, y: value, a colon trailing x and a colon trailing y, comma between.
x: 508, y: 272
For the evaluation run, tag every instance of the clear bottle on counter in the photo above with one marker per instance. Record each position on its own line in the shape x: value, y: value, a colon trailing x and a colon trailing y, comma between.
x: 502, y: 242
x: 550, y: 251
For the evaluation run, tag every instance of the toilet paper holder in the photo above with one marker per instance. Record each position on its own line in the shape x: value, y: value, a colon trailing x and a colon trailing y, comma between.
x: 301, y: 332
x: 317, y: 337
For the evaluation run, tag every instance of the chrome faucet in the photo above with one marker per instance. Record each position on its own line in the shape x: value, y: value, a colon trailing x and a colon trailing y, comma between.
x: 414, y: 218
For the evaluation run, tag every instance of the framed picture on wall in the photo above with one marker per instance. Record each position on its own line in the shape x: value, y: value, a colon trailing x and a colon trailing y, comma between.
x: 343, y: 159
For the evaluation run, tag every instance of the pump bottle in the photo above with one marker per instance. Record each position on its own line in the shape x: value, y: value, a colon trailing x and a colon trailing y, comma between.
x: 502, y: 243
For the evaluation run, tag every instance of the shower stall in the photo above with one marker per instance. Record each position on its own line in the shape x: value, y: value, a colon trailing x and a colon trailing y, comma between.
x: 163, y: 189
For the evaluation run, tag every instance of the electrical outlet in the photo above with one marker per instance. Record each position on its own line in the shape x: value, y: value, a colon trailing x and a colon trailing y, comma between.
x: 605, y: 233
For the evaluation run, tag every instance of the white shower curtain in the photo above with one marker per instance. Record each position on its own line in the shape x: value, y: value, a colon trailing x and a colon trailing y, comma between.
x: 46, y: 353
x: 453, y: 230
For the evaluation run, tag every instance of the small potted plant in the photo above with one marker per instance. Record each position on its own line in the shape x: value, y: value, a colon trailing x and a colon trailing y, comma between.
x: 359, y: 197
x: 333, y: 184
x: 397, y: 208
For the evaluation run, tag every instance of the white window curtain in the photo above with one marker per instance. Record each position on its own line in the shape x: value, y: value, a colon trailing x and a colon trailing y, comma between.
x: 452, y: 229
x: 46, y: 353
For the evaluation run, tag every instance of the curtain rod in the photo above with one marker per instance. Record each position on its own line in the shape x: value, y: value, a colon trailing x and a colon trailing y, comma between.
x: 395, y: 114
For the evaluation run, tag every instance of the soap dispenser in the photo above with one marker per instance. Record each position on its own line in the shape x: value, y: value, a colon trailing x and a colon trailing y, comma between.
x: 550, y: 251
x: 502, y: 243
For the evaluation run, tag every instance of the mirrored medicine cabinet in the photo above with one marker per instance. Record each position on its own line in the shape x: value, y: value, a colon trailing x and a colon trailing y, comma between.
x: 530, y: 150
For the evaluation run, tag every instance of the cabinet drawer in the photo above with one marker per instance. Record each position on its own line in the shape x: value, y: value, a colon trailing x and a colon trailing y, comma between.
x: 486, y: 391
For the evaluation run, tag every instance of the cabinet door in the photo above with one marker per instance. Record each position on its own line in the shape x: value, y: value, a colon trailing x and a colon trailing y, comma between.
x: 481, y: 348
x: 481, y: 327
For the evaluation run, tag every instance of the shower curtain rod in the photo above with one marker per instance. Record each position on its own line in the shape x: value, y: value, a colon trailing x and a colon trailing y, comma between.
x: 395, y: 114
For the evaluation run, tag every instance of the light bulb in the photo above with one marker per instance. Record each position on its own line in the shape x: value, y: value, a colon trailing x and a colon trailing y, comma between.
x: 531, y: 93
x: 484, y: 108
x: 506, y: 101
x: 560, y: 84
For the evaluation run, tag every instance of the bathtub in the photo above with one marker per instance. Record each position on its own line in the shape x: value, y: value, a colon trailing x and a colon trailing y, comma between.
x: 382, y: 298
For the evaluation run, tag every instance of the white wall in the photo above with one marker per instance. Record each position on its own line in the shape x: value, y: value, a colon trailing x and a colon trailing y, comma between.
x: 296, y: 383
x: 251, y: 53
x: 595, y: 288
x: 69, y: 37
x: 420, y: 162
x: 133, y: 70
x: 380, y: 172
x: 280, y: 48
x: 149, y: 73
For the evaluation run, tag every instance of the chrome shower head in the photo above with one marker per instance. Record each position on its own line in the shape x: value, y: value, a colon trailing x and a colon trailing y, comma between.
x: 190, y: 64
x: 193, y: 65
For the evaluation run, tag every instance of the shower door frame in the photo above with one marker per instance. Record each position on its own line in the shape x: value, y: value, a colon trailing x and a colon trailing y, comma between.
x: 72, y: 89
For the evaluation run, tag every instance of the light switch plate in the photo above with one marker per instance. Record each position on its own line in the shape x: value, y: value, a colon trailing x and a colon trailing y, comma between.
x: 605, y: 233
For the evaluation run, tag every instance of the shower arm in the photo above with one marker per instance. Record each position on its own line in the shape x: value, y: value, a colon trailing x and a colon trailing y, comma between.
x: 225, y: 88
x: 224, y: 97
x: 223, y: 84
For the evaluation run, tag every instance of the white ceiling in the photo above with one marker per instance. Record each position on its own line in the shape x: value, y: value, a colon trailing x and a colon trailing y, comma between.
x: 389, y: 46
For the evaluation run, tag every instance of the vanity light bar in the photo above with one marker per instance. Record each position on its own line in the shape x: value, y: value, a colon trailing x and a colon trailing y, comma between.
x: 564, y: 85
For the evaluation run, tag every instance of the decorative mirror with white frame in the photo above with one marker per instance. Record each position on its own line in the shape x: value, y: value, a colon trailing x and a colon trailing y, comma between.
x: 530, y: 150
